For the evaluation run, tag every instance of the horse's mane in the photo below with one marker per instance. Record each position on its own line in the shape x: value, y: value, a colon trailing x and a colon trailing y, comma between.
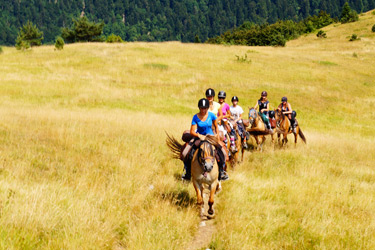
x: 213, y: 140
x: 174, y: 146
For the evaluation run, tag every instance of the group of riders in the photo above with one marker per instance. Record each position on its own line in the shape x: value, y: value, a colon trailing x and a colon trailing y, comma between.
x: 218, y: 119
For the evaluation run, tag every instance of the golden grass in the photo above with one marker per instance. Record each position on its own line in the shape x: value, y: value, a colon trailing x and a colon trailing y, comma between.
x: 84, y: 164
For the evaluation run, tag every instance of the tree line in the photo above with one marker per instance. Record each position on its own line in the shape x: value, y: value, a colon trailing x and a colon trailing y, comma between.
x: 160, y: 20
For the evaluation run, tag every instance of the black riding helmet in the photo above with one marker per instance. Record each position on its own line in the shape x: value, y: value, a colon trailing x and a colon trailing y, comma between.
x: 234, y: 98
x: 264, y: 93
x: 210, y: 92
x: 284, y: 99
x: 203, y: 103
x: 222, y: 94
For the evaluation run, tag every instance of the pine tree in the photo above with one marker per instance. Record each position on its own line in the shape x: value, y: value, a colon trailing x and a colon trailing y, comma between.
x: 29, y: 35
x: 59, y: 44
x: 347, y: 14
x: 83, y: 31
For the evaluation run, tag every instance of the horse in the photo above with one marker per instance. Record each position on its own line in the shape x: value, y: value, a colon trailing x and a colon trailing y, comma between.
x: 204, y: 168
x: 283, y: 126
x: 257, y: 129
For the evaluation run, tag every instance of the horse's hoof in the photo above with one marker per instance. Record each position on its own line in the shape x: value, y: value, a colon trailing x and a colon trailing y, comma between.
x: 210, y: 211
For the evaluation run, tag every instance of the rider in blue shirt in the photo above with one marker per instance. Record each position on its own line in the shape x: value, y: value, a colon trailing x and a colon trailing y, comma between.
x: 201, y: 125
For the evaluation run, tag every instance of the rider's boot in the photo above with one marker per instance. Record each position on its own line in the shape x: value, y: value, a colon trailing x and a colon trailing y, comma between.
x: 223, y: 176
x: 294, y: 126
x: 269, y: 127
x: 187, y: 175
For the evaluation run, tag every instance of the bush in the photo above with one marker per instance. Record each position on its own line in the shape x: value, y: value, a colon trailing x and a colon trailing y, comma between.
x: 29, y: 35
x: 354, y: 37
x: 373, y: 28
x: 1, y: 50
x: 196, y: 39
x: 321, y: 34
x: 114, y: 39
x: 59, y: 44
x: 347, y: 14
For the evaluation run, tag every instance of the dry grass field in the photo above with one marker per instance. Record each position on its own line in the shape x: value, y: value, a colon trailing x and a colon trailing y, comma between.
x: 83, y: 161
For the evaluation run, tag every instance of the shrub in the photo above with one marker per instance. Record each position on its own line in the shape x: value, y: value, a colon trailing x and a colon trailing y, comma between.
x: 354, y: 37
x: 321, y: 34
x: 1, y: 50
x: 196, y: 39
x: 114, y: 39
x: 59, y: 44
x: 373, y: 28
x: 347, y: 14
x: 29, y: 35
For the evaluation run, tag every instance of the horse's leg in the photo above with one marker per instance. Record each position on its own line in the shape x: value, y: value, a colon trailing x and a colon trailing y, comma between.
x: 278, y: 138
x: 199, y: 190
x: 257, y: 141
x: 213, y: 188
x: 285, y: 138
x: 243, y: 151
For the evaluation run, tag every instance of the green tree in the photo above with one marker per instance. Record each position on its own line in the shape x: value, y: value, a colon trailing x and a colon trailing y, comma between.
x: 321, y: 34
x: 59, y: 44
x: 1, y: 50
x: 29, y: 35
x: 347, y: 14
x: 83, y: 30
x: 373, y: 28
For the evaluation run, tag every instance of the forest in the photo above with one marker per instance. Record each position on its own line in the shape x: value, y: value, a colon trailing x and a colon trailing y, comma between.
x: 160, y: 20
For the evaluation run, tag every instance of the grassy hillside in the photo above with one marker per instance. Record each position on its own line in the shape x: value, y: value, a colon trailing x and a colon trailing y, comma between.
x: 84, y: 164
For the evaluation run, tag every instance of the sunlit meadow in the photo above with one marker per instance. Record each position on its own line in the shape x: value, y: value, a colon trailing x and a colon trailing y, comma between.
x: 83, y: 161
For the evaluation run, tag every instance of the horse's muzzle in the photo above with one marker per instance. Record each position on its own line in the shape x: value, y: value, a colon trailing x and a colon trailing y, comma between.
x: 208, y: 166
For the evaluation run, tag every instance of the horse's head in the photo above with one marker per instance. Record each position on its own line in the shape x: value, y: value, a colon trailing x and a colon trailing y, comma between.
x: 278, y: 114
x: 252, y: 115
x: 206, y: 155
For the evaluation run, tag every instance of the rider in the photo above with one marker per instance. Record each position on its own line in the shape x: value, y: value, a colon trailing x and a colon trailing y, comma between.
x: 214, y: 106
x: 264, y: 107
x: 201, y: 125
x: 236, y: 114
x: 286, y: 108
x: 223, y: 119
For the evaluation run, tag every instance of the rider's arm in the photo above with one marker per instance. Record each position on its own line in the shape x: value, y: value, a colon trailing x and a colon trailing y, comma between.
x: 214, y: 122
x: 256, y: 105
x: 290, y: 109
x: 219, y: 115
x: 268, y: 107
x: 228, y: 114
x: 193, y: 128
x: 239, y: 118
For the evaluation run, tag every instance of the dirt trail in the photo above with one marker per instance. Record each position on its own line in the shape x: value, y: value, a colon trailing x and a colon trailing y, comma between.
x: 206, y: 228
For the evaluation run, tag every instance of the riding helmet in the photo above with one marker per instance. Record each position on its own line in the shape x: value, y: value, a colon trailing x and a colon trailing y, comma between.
x: 234, y: 98
x: 284, y: 99
x: 222, y: 94
x: 203, y: 103
x: 264, y: 93
x: 210, y: 92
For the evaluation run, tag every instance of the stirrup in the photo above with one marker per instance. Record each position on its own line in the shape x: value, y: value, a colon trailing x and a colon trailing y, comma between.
x: 224, y: 176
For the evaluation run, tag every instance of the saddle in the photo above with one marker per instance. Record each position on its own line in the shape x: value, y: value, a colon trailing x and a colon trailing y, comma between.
x: 194, y: 142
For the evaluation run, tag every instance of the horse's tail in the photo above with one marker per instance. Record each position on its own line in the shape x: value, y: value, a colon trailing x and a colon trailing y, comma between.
x: 174, y: 146
x: 302, y: 135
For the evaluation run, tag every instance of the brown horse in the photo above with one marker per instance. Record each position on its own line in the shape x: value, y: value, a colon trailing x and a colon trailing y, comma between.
x: 284, y: 128
x: 204, y: 169
x: 258, y: 129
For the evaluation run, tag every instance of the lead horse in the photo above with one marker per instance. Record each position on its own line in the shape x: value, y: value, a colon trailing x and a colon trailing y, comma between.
x: 283, y: 127
x: 204, y: 168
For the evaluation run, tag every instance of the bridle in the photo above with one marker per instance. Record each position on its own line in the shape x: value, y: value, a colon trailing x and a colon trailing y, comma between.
x: 201, y: 154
